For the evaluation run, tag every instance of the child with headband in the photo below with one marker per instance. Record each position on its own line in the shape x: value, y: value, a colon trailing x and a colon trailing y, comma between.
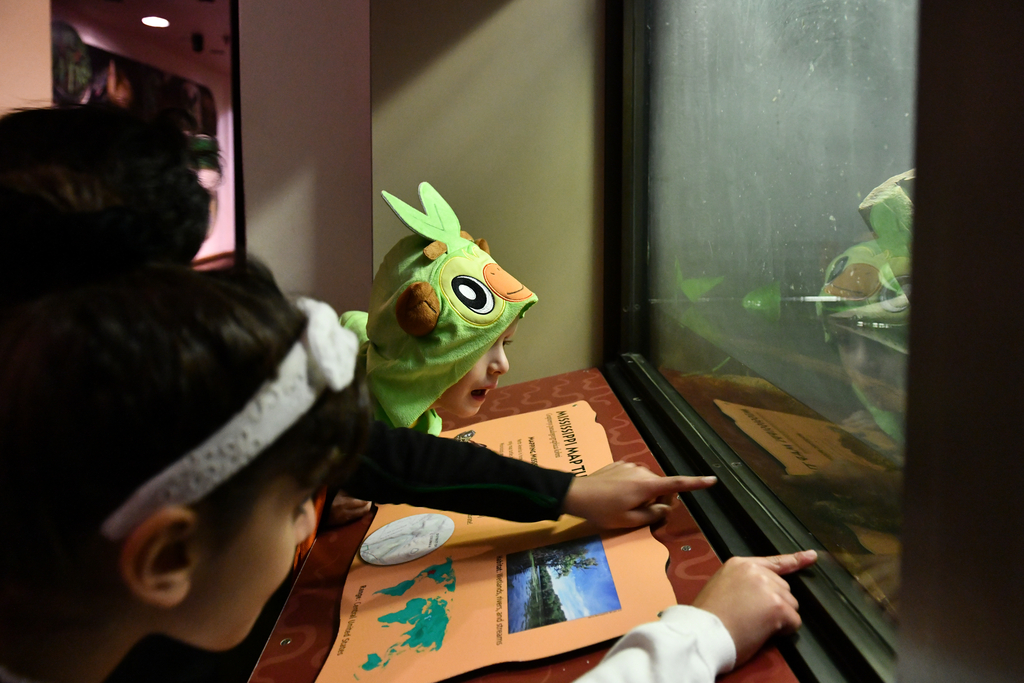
x: 161, y: 432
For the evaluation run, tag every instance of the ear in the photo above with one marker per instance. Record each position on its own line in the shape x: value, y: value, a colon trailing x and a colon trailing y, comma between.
x: 158, y: 559
x: 435, y: 249
x: 418, y: 309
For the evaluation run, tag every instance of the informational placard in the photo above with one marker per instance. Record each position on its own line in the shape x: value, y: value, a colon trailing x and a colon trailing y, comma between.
x: 803, y: 445
x: 495, y: 591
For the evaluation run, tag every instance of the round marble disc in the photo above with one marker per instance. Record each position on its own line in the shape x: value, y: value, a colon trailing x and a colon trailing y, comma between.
x: 407, y: 539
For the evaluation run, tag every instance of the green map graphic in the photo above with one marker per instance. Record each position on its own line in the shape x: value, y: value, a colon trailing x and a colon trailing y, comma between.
x: 427, y: 617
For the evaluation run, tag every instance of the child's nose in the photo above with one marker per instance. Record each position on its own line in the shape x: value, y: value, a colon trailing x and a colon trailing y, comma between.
x: 499, y: 366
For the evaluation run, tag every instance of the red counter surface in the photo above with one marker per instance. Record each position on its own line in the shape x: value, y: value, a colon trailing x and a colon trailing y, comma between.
x: 306, y: 629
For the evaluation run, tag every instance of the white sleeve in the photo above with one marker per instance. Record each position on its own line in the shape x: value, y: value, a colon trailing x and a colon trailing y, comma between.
x: 687, y: 645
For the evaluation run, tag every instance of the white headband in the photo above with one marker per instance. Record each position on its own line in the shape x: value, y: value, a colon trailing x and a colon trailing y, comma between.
x: 324, y: 357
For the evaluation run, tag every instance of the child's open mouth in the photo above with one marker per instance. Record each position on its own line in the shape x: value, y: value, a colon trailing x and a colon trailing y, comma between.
x: 479, y: 394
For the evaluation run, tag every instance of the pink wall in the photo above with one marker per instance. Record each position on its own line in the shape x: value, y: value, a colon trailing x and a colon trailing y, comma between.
x: 25, y: 79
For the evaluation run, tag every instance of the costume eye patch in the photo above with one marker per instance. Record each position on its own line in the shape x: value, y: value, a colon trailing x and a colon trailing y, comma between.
x: 473, y: 293
x: 838, y: 267
x: 465, y: 289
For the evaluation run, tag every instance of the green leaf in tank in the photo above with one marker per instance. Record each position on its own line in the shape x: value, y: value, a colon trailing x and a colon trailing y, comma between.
x: 766, y: 301
x: 694, y: 288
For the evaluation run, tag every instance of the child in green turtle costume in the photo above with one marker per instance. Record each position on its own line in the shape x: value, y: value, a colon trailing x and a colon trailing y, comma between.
x: 440, y: 308
x: 439, y: 302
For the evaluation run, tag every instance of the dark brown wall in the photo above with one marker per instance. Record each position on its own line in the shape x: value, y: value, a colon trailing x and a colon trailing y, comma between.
x: 963, y: 579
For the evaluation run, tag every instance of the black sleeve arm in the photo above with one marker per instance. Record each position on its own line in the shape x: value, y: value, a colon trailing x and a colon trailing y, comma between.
x: 406, y: 466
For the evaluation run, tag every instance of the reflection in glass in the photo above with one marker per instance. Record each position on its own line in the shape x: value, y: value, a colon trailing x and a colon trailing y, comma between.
x: 103, y: 54
x: 780, y: 223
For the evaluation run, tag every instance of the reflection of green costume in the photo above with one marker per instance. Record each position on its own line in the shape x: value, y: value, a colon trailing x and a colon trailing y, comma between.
x: 438, y: 303
x: 872, y: 279
x: 871, y: 284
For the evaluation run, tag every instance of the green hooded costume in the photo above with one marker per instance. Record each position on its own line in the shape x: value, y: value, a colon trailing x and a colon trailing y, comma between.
x: 438, y: 303
x: 870, y: 288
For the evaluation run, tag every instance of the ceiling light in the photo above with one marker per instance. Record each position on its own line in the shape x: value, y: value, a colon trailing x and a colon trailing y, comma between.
x: 156, y: 22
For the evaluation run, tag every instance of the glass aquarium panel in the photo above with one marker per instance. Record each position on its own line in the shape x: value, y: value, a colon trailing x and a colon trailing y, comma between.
x: 780, y: 218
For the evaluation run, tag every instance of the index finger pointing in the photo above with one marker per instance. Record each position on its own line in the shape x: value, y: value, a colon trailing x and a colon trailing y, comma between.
x: 665, y: 486
x: 786, y: 564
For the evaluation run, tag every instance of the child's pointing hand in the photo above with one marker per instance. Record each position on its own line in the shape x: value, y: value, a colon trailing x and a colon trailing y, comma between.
x: 625, y: 494
x: 752, y: 600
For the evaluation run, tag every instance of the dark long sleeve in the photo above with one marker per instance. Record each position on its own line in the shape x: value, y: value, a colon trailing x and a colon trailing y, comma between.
x: 406, y: 466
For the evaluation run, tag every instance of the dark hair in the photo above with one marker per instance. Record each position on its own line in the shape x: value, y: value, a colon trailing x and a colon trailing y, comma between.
x: 104, y: 385
x: 116, y: 359
x: 65, y: 155
x: 47, y: 249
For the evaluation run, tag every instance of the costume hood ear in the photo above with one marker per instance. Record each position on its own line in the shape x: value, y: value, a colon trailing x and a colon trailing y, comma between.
x: 418, y: 309
x: 437, y: 222
x: 889, y: 212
